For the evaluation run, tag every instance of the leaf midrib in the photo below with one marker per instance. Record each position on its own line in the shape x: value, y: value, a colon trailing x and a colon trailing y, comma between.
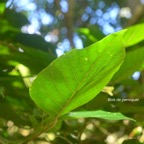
x: 87, y: 73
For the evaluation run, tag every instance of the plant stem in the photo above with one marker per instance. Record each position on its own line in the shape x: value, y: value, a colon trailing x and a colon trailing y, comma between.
x: 39, y: 132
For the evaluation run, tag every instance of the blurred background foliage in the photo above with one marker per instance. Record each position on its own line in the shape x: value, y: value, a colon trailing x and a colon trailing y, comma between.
x: 35, y: 32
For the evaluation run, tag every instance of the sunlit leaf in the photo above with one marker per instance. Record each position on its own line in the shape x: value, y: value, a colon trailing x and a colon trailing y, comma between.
x: 133, y: 35
x: 90, y: 35
x: 98, y: 114
x: 78, y: 76
x: 134, y: 61
x: 2, y: 7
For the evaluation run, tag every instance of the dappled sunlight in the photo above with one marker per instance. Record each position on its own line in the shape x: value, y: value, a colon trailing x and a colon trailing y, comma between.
x: 71, y: 72
x: 25, y: 131
x: 136, y: 75
x: 125, y: 12
x: 25, y: 73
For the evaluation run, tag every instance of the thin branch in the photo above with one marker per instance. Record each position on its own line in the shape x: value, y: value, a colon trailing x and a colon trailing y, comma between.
x: 39, y: 132
x: 65, y: 139
x: 69, y: 17
x: 11, y: 3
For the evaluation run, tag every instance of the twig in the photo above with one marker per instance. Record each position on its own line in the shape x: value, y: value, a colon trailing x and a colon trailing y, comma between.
x: 39, y: 132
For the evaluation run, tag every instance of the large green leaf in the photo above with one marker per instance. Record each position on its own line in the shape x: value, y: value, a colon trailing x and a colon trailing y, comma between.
x: 133, y: 35
x: 77, y: 76
x: 134, y: 61
x: 98, y: 114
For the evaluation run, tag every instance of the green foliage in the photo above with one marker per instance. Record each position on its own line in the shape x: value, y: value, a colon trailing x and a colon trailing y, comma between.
x: 89, y: 35
x: 2, y: 7
x: 78, y: 76
x: 133, y: 141
x: 66, y: 102
x: 134, y: 35
x: 133, y: 62
x: 97, y: 114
